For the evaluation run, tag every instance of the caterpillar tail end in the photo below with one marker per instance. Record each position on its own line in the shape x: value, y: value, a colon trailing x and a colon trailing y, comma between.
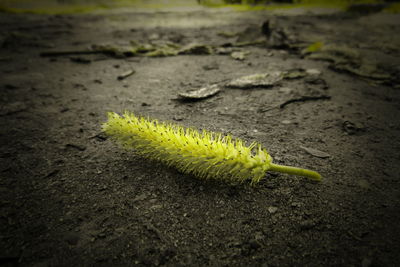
x: 313, y: 175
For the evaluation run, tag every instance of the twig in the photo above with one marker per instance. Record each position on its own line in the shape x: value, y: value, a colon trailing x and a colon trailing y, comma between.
x: 304, y: 99
x: 69, y: 53
x: 125, y: 74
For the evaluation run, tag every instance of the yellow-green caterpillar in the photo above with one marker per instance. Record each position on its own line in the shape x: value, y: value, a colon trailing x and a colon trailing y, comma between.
x: 206, y: 154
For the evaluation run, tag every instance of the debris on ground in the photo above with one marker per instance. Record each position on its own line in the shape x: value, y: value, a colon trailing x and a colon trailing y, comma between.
x: 78, y: 147
x: 240, y: 55
x: 352, y: 128
x: 228, y: 34
x: 164, y: 50
x: 344, y: 58
x: 196, y: 49
x: 312, y: 48
x: 114, y: 50
x: 315, y: 152
x: 80, y: 60
x: 135, y: 49
x: 272, y: 209
x: 57, y: 53
x: 65, y: 187
x: 313, y: 72
x: 364, y: 69
x: 201, y: 93
x: 295, y: 74
x: 225, y: 50
x: 251, y: 35
x: 256, y: 80
x: 125, y: 74
x: 304, y: 99
x: 212, y: 66
x: 277, y: 35
x: 337, y: 54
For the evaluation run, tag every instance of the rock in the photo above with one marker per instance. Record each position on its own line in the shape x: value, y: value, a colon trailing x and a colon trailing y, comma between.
x: 272, y: 210
x: 352, y: 128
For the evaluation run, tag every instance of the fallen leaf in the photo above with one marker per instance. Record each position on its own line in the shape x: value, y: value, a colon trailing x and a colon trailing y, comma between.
x: 201, y: 93
x: 165, y: 51
x: 239, y: 55
x: 294, y: 74
x: 196, y: 49
x: 315, y: 152
x: 314, y: 72
x: 256, y: 80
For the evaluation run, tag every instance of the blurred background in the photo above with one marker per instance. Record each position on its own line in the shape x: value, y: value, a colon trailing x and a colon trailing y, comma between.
x: 73, y: 6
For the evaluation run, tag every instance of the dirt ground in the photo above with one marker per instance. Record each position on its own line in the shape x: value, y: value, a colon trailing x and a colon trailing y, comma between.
x: 70, y: 196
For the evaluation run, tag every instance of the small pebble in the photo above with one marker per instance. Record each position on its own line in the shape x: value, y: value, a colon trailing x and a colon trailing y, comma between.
x: 272, y: 210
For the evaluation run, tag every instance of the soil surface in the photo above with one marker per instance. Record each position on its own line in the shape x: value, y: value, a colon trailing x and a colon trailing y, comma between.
x: 70, y: 196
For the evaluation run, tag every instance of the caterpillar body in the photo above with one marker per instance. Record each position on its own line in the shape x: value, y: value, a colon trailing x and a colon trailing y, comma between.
x: 205, y: 154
